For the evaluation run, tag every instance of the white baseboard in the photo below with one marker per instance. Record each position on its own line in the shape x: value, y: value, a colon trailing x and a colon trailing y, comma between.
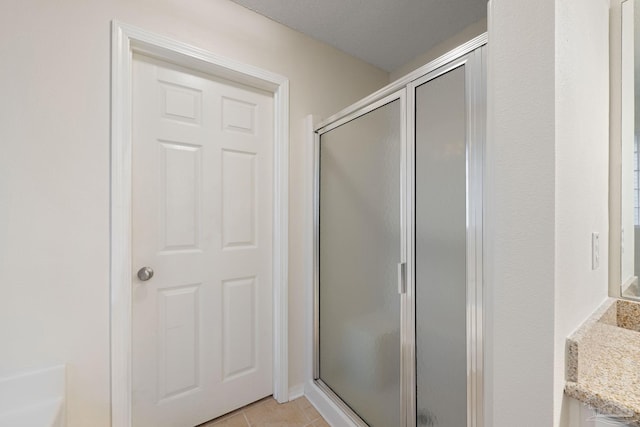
x: 296, y: 391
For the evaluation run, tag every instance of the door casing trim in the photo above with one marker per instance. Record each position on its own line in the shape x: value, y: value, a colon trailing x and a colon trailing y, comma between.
x: 125, y: 41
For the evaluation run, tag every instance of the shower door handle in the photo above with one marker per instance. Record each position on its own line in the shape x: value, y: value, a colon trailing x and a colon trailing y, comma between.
x: 402, y: 277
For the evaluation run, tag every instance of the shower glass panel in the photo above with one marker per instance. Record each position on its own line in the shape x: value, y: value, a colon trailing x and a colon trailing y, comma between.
x: 360, y: 247
x: 441, y: 251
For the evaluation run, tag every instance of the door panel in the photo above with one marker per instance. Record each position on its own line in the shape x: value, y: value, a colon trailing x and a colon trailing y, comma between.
x: 360, y: 247
x: 202, y: 219
x: 441, y: 251
x: 181, y: 180
x: 178, y: 340
x: 239, y: 327
x: 239, y: 199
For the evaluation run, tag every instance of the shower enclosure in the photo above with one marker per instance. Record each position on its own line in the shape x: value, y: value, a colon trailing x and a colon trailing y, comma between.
x: 398, y: 251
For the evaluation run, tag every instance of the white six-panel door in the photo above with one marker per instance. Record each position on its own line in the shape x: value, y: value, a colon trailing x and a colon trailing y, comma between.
x: 202, y: 220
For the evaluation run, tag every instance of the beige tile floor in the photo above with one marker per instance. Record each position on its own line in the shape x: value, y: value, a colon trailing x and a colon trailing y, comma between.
x: 269, y: 413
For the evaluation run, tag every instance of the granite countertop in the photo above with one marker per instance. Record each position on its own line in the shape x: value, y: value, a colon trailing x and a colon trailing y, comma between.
x: 603, y: 361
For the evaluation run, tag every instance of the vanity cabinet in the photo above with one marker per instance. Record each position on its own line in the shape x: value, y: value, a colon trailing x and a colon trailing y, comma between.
x: 580, y: 415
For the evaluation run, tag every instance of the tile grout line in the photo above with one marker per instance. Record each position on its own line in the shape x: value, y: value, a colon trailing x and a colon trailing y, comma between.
x: 246, y: 420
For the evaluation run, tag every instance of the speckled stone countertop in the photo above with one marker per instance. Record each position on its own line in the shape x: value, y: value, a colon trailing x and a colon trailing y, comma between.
x: 603, y: 361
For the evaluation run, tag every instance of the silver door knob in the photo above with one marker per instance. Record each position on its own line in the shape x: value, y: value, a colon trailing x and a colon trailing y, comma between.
x: 145, y: 273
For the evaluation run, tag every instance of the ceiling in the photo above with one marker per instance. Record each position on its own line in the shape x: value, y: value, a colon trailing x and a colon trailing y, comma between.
x: 385, y: 33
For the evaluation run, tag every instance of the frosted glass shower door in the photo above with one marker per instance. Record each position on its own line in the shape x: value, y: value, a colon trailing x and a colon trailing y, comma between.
x: 443, y: 221
x: 360, y: 240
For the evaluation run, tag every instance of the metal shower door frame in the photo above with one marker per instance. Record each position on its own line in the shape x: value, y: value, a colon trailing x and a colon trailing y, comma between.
x: 471, y: 55
x: 398, y: 95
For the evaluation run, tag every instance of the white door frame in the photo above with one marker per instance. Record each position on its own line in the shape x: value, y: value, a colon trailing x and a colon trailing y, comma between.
x: 125, y: 41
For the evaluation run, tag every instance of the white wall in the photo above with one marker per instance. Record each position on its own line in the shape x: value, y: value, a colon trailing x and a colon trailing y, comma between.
x: 582, y: 159
x: 440, y: 49
x: 54, y: 167
x: 615, y: 149
x: 547, y: 162
x: 520, y: 214
x: 626, y: 141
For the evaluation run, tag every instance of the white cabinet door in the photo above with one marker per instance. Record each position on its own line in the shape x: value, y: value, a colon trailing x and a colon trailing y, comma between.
x: 580, y: 415
x: 202, y: 220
